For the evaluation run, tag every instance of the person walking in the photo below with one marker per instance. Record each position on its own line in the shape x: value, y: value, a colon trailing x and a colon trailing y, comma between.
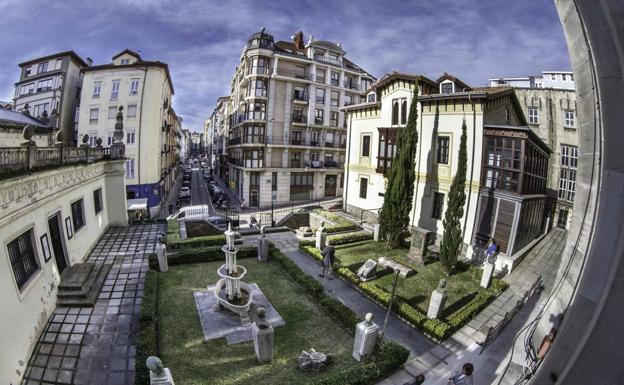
x: 464, y: 377
x: 419, y: 379
x: 328, y: 261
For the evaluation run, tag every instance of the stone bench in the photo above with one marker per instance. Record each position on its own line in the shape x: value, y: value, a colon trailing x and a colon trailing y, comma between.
x: 386, y: 263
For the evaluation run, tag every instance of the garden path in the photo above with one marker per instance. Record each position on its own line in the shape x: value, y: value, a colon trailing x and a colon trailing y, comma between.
x: 396, y: 329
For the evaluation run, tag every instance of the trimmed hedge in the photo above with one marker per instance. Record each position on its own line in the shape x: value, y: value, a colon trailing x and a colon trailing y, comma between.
x: 207, y: 240
x: 440, y: 329
x: 386, y: 359
x: 349, y: 238
x: 341, y: 225
x: 173, y: 231
x: 201, y: 254
x: 147, y: 337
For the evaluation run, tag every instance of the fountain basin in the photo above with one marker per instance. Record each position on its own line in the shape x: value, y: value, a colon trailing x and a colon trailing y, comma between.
x: 246, y: 295
x: 223, y: 273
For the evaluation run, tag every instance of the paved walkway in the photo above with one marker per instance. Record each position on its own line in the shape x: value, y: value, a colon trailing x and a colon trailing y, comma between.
x: 82, y: 345
x: 441, y: 361
x: 396, y: 330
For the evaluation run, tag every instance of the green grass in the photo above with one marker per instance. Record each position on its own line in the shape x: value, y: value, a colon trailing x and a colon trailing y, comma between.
x: 462, y: 286
x: 195, y: 361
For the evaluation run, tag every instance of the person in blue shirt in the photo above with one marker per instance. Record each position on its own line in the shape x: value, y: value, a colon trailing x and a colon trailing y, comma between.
x: 492, y: 248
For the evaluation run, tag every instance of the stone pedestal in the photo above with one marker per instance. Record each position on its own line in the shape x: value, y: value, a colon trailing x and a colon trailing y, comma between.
x: 368, y: 271
x: 263, y: 248
x: 486, y: 278
x: 376, y: 232
x: 161, y: 253
x: 163, y: 379
x: 263, y: 343
x: 321, y: 236
x: 418, y: 246
x: 365, y: 336
x: 436, y: 305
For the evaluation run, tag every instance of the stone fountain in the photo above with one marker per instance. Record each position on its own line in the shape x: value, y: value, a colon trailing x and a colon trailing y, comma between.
x: 230, y: 291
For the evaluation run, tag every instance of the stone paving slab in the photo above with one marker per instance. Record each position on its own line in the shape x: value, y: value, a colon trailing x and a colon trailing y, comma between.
x: 224, y: 323
x: 83, y: 345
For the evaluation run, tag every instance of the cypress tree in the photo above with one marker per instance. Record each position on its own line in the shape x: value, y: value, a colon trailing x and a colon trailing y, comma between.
x: 394, y: 216
x: 452, y: 238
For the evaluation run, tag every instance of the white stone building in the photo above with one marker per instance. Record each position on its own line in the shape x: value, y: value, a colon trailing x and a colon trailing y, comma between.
x: 144, y: 89
x: 49, y: 83
x: 49, y: 220
x: 493, y: 119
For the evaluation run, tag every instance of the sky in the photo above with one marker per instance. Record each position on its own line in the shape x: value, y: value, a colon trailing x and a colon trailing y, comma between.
x: 202, y: 40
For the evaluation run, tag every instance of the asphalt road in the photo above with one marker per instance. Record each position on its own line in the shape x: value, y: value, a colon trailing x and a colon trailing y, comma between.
x: 199, y: 191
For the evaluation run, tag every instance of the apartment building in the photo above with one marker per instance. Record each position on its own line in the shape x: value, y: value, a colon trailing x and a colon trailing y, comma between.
x: 144, y: 89
x: 550, y: 109
x: 563, y: 80
x: 50, y: 83
x: 287, y: 134
x: 506, y: 170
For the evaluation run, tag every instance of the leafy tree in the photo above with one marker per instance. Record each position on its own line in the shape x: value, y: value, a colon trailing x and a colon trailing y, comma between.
x: 452, y: 238
x: 394, y: 216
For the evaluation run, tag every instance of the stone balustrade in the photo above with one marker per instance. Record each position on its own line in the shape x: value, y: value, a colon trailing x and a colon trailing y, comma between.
x: 29, y: 156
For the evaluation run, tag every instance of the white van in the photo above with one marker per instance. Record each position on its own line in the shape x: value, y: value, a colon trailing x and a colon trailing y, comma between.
x: 191, y: 212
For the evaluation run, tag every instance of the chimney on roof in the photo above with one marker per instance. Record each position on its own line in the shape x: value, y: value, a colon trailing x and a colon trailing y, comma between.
x: 89, y: 62
x: 298, y: 39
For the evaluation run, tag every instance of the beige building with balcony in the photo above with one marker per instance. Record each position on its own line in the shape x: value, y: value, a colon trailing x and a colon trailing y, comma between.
x: 144, y: 89
x: 50, y: 83
x: 287, y: 134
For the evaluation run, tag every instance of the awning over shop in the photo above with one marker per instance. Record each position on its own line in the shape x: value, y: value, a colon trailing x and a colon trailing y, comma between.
x: 136, y: 204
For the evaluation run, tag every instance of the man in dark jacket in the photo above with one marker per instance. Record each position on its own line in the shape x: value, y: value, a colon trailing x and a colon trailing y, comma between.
x: 328, y: 260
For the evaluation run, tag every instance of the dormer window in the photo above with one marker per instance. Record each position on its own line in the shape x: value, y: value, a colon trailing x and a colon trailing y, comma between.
x: 125, y: 62
x: 446, y: 88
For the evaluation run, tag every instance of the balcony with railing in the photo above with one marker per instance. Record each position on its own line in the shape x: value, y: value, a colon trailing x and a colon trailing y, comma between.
x: 351, y: 85
x: 300, y: 96
x: 294, y: 74
x: 327, y: 60
x: 299, y: 119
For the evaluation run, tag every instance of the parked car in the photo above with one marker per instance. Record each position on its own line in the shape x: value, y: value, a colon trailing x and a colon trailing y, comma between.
x: 185, y: 192
x: 186, y: 183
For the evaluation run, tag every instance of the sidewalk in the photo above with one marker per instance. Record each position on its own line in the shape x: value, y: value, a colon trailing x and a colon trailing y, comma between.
x: 396, y: 330
x: 441, y: 361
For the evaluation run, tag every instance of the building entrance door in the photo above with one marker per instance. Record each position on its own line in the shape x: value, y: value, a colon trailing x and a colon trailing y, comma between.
x: 57, y: 241
x: 253, y: 198
x: 562, y: 218
x: 330, y: 185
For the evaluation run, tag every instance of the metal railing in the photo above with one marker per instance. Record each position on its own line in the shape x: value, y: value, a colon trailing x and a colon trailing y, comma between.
x: 299, y: 119
x: 294, y: 74
x: 494, y: 331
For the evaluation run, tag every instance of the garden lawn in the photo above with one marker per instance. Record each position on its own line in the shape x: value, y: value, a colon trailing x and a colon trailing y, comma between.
x: 195, y: 361
x: 416, y: 290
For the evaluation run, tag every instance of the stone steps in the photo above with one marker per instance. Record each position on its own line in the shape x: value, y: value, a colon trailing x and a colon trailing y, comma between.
x: 81, y: 284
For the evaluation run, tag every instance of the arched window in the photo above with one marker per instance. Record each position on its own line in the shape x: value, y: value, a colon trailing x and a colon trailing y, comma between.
x: 395, y: 112
x: 404, y: 112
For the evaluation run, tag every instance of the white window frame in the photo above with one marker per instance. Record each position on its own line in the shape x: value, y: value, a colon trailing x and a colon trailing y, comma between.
x: 569, y: 120
x: 112, y: 112
x: 115, y: 89
x: 130, y: 137
x: 134, y: 86
x: 97, y: 89
x: 130, y: 168
x: 132, y: 111
x: 533, y: 115
x: 92, y: 112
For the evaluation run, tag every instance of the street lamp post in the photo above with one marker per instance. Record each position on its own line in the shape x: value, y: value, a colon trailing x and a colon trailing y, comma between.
x: 394, y: 286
